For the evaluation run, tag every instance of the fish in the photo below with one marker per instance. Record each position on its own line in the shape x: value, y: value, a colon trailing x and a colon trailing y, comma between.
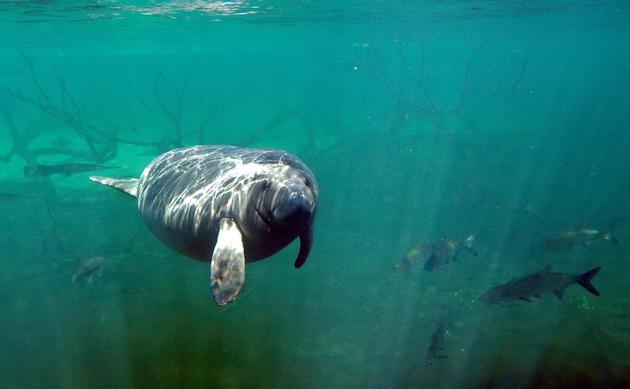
x: 539, y: 283
x: 447, y: 250
x: 64, y: 168
x: 437, y: 343
x: 88, y: 268
x: 578, y: 236
x: 413, y: 258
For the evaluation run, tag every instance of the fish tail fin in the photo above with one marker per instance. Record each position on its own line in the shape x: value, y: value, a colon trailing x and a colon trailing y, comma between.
x: 127, y: 185
x: 610, y: 233
x: 585, y: 280
x: 611, y: 237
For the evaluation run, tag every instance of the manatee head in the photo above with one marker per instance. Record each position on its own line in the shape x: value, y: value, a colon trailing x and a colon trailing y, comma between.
x: 285, y: 202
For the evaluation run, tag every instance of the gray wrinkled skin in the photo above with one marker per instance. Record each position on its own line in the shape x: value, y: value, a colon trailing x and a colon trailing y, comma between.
x: 184, y: 193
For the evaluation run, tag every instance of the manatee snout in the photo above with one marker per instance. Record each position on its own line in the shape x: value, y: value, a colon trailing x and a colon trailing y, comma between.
x: 293, y: 210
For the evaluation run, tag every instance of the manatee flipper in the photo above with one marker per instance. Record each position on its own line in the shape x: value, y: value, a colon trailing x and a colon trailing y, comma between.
x: 127, y: 185
x: 306, y: 241
x: 227, y: 268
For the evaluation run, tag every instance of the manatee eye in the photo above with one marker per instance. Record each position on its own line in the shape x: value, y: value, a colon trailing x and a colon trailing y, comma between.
x: 308, y: 182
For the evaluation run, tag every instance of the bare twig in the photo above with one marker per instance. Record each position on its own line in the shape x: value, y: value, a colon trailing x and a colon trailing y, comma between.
x: 79, y: 127
x: 174, y: 116
x: 202, y: 126
x: 466, y: 84
x: 20, y: 142
x: 130, y: 86
x: 66, y: 93
x: 102, y: 143
x: 429, y: 107
x: 29, y: 61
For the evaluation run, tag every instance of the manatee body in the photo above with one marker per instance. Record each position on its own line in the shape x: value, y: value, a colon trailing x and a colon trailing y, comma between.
x: 227, y: 205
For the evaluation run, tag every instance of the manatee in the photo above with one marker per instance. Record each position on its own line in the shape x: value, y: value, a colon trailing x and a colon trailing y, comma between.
x: 227, y: 205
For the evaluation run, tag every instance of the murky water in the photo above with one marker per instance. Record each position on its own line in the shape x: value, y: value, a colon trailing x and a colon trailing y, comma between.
x: 421, y: 122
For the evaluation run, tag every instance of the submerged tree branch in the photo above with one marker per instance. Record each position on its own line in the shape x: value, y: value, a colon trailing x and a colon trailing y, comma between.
x: 20, y: 142
x: 101, y: 143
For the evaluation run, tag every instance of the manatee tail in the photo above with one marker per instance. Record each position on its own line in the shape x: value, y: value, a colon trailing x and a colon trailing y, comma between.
x: 127, y: 185
x: 585, y: 280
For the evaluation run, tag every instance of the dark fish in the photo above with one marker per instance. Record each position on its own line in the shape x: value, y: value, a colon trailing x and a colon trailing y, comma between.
x: 438, y: 341
x: 535, y: 285
x: 414, y: 257
x: 64, y: 168
x: 89, y: 268
x: 577, y: 236
x: 447, y: 250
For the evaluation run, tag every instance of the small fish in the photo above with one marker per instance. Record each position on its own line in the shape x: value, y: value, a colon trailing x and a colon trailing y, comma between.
x: 64, y: 168
x: 578, y: 236
x: 413, y: 258
x: 535, y: 285
x: 438, y: 341
x: 447, y: 250
x: 88, y: 268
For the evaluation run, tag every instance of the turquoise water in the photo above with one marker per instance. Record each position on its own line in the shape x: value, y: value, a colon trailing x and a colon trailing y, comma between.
x: 504, y: 120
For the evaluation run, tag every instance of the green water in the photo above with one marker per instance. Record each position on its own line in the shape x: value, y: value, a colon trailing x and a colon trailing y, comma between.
x: 420, y: 120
